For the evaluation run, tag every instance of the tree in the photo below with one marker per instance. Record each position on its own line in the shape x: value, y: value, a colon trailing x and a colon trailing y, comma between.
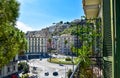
x: 65, y: 42
x: 23, y: 66
x: 87, y: 34
x: 49, y: 47
x: 9, y: 11
x: 61, y: 22
x: 12, y: 40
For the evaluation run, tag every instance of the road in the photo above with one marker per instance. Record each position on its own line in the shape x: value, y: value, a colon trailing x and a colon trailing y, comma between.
x: 43, y: 66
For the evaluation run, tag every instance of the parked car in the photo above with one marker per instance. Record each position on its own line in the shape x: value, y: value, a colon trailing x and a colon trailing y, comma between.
x: 56, y: 53
x: 40, y: 59
x: 55, y: 73
x: 34, y: 68
x: 61, y: 64
x: 46, y: 73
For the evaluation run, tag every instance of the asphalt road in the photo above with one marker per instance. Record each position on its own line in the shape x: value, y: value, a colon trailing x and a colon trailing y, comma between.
x: 43, y: 66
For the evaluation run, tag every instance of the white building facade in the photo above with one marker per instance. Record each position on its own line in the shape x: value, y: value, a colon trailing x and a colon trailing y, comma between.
x: 65, y: 48
x: 37, y: 45
x: 10, y: 69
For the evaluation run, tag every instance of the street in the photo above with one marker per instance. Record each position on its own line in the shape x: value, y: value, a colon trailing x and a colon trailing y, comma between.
x: 43, y: 66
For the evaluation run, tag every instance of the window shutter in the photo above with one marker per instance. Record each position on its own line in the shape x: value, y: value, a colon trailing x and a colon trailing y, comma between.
x: 107, y: 38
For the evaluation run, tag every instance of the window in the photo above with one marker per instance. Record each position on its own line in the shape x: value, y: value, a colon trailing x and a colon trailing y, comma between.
x: 0, y: 72
x: 8, y: 69
x: 13, y: 68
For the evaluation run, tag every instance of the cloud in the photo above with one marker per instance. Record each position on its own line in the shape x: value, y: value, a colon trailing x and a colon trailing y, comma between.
x: 26, y: 1
x: 23, y: 27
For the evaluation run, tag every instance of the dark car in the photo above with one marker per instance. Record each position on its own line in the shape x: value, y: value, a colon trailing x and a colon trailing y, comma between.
x: 61, y: 64
x: 34, y: 68
x: 40, y: 59
x: 55, y: 73
x: 56, y: 53
x: 46, y: 73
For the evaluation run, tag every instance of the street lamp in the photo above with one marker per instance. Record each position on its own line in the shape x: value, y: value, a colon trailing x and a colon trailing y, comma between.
x: 72, y: 56
x: 73, y: 61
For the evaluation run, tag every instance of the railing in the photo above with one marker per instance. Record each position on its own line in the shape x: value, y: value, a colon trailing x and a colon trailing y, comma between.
x: 96, y: 68
x: 75, y: 72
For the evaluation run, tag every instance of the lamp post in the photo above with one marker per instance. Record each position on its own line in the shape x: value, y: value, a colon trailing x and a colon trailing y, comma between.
x: 65, y: 71
x: 73, y: 61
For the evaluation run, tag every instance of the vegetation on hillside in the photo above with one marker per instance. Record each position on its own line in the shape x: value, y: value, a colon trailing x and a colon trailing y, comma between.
x: 68, y: 30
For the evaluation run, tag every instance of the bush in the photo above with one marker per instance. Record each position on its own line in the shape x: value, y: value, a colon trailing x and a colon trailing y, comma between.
x: 20, y: 67
x: 23, y: 66
x: 68, y: 59
x: 25, y: 76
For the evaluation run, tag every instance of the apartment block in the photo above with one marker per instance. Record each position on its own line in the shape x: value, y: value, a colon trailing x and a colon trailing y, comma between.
x: 37, y: 44
x: 65, y: 47
x: 10, y: 69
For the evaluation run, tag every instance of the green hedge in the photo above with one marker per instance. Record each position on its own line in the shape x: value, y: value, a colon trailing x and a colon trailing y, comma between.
x: 68, y: 59
x: 63, y: 61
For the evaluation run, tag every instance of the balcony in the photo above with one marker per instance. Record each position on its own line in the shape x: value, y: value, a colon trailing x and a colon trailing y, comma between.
x: 91, y: 8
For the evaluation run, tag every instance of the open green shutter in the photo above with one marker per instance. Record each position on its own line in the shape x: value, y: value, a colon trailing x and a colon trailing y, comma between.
x: 107, y: 38
x: 117, y: 53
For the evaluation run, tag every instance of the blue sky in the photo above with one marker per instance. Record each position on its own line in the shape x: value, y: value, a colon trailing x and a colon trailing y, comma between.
x: 38, y: 14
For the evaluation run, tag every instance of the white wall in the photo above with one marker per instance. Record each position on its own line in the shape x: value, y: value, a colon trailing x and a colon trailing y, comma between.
x: 4, y: 71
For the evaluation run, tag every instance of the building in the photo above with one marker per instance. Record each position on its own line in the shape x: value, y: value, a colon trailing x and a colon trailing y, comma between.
x: 55, y: 42
x: 108, y: 11
x: 37, y: 43
x: 10, y: 69
x: 65, y: 41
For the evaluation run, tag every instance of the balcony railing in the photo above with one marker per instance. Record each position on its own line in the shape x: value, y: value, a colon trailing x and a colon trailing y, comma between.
x: 75, y: 72
x: 95, y: 67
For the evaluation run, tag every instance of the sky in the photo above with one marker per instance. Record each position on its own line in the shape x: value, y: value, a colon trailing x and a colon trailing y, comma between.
x: 38, y: 14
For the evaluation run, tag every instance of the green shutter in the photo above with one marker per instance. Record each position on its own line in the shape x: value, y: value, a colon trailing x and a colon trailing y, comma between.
x: 107, y: 45
x: 107, y: 69
x: 107, y: 39
x: 117, y: 53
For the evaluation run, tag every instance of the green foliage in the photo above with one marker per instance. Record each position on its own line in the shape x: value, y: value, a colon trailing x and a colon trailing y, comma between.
x: 87, y: 33
x: 12, y: 40
x: 25, y: 76
x: 65, y: 42
x: 83, y: 55
x: 9, y: 11
x: 68, y: 30
x: 68, y: 59
x: 63, y: 61
x: 23, y: 66
x: 49, y: 40
x: 61, y: 22
x: 49, y: 47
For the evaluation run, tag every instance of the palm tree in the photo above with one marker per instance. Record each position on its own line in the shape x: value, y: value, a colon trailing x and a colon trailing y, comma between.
x: 49, y: 47
x: 65, y: 42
